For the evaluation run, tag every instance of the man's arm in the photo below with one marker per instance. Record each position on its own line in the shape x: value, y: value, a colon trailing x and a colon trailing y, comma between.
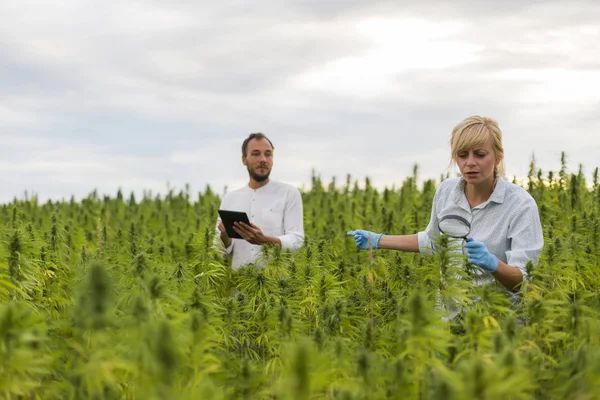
x: 253, y: 234
x: 293, y: 222
x: 222, y: 241
x: 293, y: 226
x: 225, y: 239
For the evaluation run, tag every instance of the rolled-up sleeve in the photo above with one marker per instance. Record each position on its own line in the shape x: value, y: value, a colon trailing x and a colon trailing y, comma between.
x: 293, y: 222
x: 427, y: 237
x: 425, y: 243
x: 526, y: 237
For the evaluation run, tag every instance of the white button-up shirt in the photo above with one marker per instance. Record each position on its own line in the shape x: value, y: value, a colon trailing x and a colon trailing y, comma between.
x: 508, y: 223
x: 276, y: 208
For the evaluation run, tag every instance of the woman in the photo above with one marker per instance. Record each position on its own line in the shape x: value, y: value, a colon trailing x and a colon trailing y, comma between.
x: 506, y: 232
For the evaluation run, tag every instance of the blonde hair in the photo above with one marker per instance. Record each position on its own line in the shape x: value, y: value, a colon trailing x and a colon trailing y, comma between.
x: 474, y: 131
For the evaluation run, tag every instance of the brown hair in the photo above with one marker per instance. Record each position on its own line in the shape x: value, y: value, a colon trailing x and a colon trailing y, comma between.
x: 256, y: 135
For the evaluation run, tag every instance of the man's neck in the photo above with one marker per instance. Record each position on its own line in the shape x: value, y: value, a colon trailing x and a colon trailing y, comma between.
x: 257, y: 185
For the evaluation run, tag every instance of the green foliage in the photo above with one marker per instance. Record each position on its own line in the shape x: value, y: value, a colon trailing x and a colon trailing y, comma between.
x: 126, y: 297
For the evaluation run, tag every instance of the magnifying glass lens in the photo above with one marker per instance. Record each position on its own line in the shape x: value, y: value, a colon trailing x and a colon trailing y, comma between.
x: 455, y: 226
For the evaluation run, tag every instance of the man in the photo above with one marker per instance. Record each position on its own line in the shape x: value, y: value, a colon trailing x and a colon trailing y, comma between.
x: 274, y: 208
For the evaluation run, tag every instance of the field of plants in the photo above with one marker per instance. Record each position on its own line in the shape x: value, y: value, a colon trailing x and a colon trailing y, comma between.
x: 117, y: 297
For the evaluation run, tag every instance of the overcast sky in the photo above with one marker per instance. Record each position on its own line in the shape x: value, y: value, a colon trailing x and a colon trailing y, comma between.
x: 149, y: 94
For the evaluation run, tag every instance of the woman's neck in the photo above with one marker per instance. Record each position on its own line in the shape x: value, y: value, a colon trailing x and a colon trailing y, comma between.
x: 479, y: 193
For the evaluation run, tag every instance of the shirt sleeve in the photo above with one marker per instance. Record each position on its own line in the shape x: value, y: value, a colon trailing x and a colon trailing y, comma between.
x: 217, y: 243
x: 427, y: 237
x: 526, y: 237
x: 293, y: 222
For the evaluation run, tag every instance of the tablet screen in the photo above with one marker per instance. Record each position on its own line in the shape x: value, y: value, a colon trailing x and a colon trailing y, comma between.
x: 229, y: 217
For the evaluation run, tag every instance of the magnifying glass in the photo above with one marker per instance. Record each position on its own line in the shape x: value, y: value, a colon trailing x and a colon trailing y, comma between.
x: 455, y: 226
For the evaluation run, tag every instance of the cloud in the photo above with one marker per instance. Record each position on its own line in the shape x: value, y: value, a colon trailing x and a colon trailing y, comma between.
x: 140, y: 93
x: 399, y: 46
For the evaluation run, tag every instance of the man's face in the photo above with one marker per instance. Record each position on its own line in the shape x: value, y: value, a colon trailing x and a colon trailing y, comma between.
x: 258, y: 159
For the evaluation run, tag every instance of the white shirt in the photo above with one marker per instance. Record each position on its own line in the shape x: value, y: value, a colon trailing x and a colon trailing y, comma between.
x: 276, y: 208
x: 508, y: 223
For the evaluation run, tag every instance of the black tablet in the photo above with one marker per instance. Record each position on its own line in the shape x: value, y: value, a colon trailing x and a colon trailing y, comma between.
x: 229, y: 217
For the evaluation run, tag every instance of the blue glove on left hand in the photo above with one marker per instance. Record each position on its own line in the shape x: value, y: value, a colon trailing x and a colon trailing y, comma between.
x: 365, y: 239
x: 480, y: 255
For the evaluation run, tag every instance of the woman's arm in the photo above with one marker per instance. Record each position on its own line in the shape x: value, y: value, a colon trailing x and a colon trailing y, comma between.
x: 402, y: 243
x: 510, y: 277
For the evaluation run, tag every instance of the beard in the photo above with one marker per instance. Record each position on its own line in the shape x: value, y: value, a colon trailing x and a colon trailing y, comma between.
x: 258, y: 177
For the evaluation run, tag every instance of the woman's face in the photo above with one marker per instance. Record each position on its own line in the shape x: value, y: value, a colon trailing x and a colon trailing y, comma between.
x: 477, y: 164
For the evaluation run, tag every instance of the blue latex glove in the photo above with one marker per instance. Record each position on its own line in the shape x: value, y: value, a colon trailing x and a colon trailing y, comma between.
x: 365, y: 239
x: 480, y: 255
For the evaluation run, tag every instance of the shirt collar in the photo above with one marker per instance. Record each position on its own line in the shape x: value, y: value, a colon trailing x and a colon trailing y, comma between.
x: 458, y: 193
x: 499, y: 191
x: 266, y: 185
